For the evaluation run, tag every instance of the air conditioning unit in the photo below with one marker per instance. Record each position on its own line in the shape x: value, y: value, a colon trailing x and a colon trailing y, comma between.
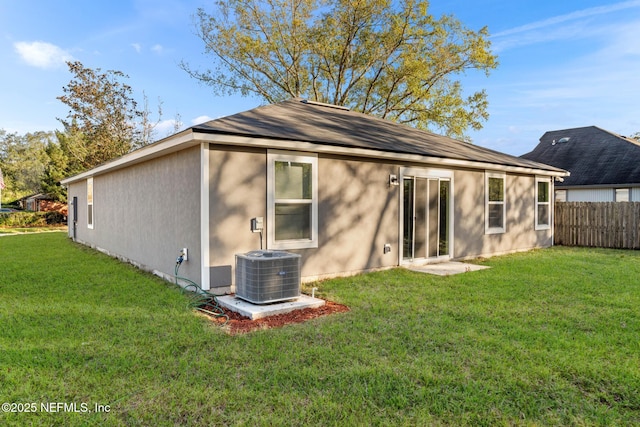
x: 267, y: 276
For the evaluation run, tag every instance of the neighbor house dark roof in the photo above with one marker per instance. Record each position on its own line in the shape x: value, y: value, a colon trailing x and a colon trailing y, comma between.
x: 300, y: 120
x: 592, y: 155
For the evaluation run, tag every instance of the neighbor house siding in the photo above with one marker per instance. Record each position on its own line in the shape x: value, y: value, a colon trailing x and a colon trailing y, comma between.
x: 599, y: 194
x: 147, y: 212
x: 589, y: 194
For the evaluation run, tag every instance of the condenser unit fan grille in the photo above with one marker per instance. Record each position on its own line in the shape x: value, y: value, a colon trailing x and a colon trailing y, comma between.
x: 267, y: 276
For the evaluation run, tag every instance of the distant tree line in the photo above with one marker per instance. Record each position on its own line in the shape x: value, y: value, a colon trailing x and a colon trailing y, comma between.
x: 103, y: 122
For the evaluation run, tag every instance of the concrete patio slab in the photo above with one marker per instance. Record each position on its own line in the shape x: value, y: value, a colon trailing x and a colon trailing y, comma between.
x: 258, y: 311
x: 447, y: 268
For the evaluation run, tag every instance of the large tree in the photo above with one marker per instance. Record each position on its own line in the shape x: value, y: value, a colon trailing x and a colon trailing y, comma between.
x: 103, y: 115
x: 389, y: 58
x: 103, y: 123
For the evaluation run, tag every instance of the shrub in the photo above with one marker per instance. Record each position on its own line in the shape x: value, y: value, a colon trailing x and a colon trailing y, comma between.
x: 55, y: 218
x: 31, y: 219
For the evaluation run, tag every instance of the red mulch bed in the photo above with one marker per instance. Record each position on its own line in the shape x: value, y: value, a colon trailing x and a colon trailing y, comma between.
x: 239, y: 324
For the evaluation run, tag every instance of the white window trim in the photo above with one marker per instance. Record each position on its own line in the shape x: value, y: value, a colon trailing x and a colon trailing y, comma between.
x: 495, y: 230
x: 298, y: 157
x: 539, y: 226
x: 90, y: 204
x: 617, y: 192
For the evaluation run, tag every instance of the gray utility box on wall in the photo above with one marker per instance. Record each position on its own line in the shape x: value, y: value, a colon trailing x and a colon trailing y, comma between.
x: 267, y: 276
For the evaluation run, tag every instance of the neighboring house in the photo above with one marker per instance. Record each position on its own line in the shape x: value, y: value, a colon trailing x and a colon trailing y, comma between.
x: 604, y: 166
x: 42, y: 203
x: 347, y: 191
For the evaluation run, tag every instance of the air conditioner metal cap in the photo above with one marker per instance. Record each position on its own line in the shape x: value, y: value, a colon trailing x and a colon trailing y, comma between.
x: 268, y: 254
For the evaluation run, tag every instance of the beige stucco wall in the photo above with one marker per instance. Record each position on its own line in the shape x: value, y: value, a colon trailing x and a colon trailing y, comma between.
x: 357, y: 213
x: 357, y: 216
x: 238, y: 191
x: 145, y: 213
x: 470, y: 239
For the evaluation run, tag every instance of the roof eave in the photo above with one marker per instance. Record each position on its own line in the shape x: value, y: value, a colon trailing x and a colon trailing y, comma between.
x: 177, y: 142
x: 193, y: 136
x: 237, y: 140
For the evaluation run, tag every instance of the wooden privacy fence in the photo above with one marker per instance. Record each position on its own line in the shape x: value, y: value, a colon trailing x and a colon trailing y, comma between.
x: 598, y: 224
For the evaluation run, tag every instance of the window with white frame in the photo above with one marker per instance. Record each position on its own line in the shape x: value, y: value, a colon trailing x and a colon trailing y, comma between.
x: 90, y: 203
x: 292, y: 200
x: 543, y: 204
x: 495, y: 207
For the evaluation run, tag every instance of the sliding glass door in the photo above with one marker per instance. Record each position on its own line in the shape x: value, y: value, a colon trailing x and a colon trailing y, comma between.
x: 426, y: 217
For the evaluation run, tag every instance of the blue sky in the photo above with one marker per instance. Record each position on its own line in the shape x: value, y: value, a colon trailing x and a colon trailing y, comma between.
x: 563, y: 64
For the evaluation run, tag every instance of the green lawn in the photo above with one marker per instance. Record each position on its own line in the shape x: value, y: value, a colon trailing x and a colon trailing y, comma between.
x: 22, y: 230
x: 549, y: 337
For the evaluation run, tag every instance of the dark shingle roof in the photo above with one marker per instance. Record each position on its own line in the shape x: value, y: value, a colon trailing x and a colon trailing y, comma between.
x: 298, y: 120
x: 594, y: 156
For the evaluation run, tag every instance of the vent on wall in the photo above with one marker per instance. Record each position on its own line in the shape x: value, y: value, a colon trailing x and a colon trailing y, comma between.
x: 267, y: 276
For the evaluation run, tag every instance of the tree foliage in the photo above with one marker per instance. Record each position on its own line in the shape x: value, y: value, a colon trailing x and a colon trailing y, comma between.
x: 103, y: 123
x: 387, y: 58
x: 102, y: 118
x: 24, y: 160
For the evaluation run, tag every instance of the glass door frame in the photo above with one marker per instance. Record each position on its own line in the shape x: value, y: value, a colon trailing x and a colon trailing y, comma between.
x: 425, y: 173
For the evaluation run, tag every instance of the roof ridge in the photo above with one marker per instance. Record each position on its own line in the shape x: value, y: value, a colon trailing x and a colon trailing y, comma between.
x: 324, y: 104
x: 624, y: 138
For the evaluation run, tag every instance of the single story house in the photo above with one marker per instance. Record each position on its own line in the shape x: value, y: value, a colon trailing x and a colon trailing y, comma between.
x: 347, y: 191
x: 41, y: 202
x: 604, y: 166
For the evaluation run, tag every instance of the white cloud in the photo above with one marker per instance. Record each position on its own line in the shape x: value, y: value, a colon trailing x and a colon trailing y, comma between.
x: 624, y: 40
x: 157, y: 48
x: 594, y: 11
x: 137, y: 47
x: 561, y: 27
x: 201, y: 119
x: 42, y: 54
x: 599, y: 75
x: 167, y: 127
